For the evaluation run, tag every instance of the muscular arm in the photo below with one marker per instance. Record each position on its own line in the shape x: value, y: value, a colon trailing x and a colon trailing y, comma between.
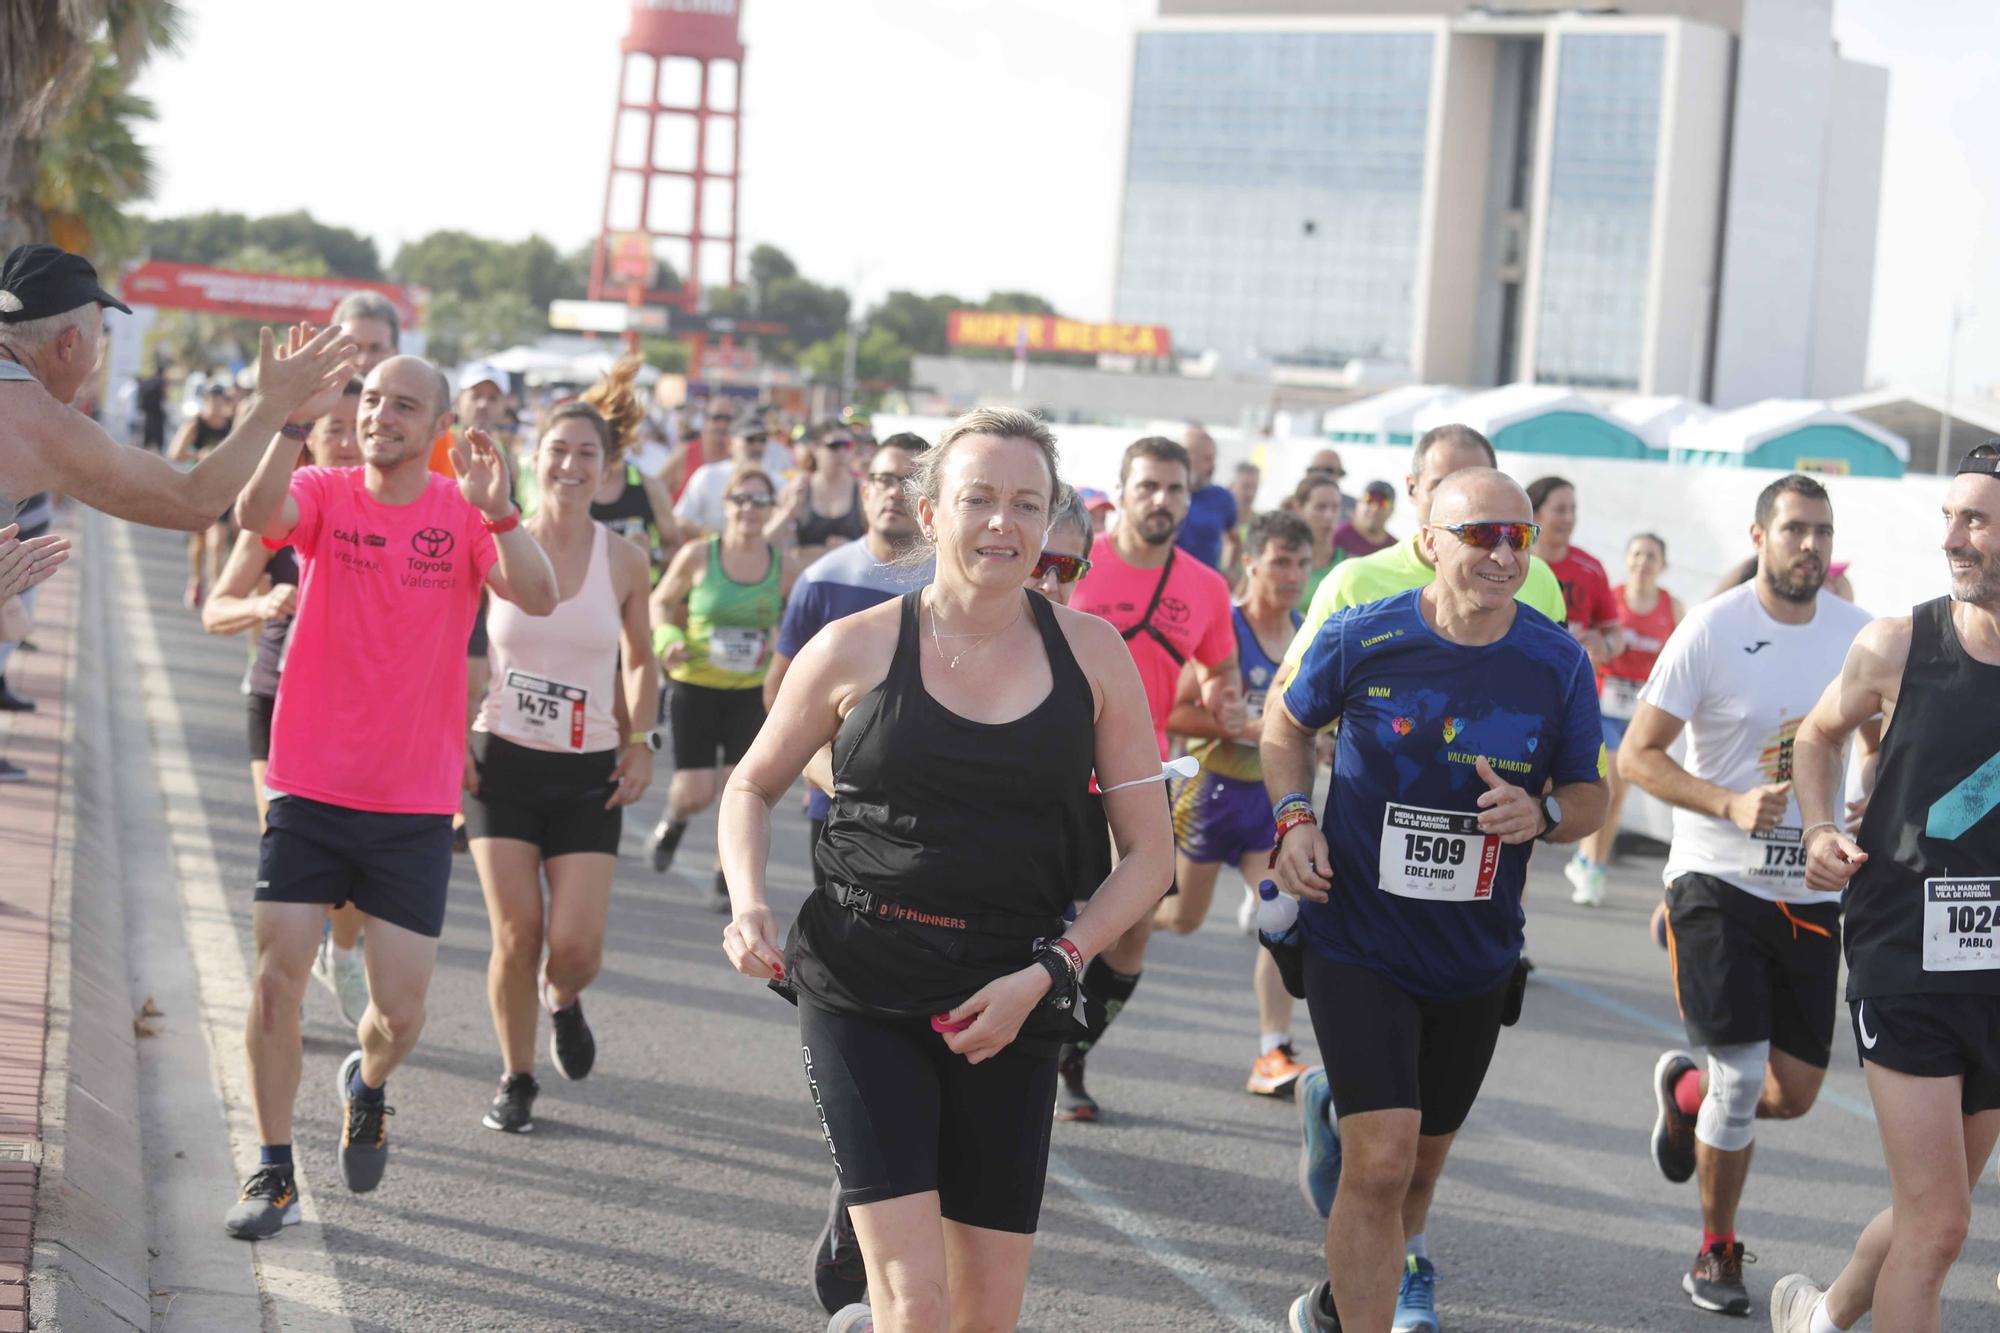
x: 1867, y: 684
x: 774, y: 676
x: 237, y: 603
x: 1643, y: 761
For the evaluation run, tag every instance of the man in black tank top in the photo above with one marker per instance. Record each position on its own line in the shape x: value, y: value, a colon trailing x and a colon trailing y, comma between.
x: 1922, y: 884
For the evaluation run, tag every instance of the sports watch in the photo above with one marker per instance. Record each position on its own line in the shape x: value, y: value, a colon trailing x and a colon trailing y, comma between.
x: 1552, y: 811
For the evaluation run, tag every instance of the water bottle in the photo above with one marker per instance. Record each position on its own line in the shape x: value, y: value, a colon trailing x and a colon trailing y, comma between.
x: 1278, y: 931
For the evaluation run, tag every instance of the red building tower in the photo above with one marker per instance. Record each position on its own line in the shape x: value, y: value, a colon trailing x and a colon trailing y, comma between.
x: 671, y: 192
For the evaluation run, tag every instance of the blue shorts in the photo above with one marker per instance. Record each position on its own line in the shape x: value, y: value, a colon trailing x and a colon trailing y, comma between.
x: 1218, y: 819
x: 396, y: 868
x: 1614, y: 731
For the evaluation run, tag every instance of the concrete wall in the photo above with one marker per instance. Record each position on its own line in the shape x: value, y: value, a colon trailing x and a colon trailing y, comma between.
x: 1456, y: 181
x: 1687, y: 211
x: 1850, y: 207
x: 1784, y: 90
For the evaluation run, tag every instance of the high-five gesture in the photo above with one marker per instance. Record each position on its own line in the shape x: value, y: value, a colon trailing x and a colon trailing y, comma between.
x: 305, y: 376
x: 1506, y: 809
x: 482, y: 473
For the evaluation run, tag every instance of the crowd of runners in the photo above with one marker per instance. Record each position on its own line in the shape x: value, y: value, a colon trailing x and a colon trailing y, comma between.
x: 1036, y: 725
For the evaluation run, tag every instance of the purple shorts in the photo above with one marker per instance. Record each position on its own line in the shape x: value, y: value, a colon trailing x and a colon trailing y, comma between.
x: 1221, y: 819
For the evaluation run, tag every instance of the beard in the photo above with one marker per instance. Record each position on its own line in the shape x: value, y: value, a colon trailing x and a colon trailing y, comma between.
x: 1159, y: 528
x: 1980, y: 587
x: 1799, y: 583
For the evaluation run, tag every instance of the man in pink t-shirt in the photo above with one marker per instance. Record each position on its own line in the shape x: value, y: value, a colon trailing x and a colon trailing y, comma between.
x: 1173, y: 610
x: 368, y: 741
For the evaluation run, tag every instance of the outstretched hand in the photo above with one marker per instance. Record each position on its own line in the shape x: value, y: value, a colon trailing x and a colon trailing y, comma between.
x: 308, y: 373
x: 482, y: 473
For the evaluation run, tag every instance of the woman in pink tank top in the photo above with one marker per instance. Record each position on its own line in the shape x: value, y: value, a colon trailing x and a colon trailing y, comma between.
x: 558, y: 750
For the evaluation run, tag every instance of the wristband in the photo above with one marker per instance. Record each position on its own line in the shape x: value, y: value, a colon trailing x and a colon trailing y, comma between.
x: 496, y: 526
x: 665, y: 636
x: 640, y: 738
x: 293, y: 430
x: 1071, y: 955
x: 1293, y: 819
x: 1291, y: 798
x: 1805, y: 834
x: 1062, y: 985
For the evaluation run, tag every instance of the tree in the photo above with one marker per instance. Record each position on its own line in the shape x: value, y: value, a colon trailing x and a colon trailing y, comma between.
x: 879, y: 358
x: 302, y: 244
x: 47, y: 57
x: 920, y: 323
x: 92, y: 166
x: 767, y: 264
x: 1017, y: 303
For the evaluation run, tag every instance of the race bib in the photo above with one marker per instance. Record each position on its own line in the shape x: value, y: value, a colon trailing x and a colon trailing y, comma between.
x: 1620, y: 698
x: 546, y: 713
x: 1961, y: 917
x: 1253, y: 704
x: 1437, y: 855
x: 733, y: 649
x: 1776, y: 857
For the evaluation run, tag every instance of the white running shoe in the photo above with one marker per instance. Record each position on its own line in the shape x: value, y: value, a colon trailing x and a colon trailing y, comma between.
x: 1793, y: 1301
x: 345, y: 975
x: 856, y: 1318
x: 1246, y: 912
x: 1587, y: 882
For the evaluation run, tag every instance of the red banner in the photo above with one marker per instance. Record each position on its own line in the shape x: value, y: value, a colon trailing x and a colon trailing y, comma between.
x: 1052, y: 333
x: 277, y: 297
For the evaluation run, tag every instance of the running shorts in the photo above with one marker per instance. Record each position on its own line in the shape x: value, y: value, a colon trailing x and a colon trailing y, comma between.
x: 395, y: 868
x: 258, y: 709
x: 1219, y: 819
x: 1386, y: 1049
x: 903, y: 1114
x: 1614, y: 731
x: 1748, y: 969
x: 712, y: 728
x: 553, y: 801
x: 1939, y: 1035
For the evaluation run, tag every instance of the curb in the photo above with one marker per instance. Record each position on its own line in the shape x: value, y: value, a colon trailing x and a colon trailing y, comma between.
x: 90, y: 1261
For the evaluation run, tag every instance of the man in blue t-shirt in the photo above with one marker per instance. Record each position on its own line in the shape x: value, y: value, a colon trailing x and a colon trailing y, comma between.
x: 1211, y: 508
x: 1458, y: 708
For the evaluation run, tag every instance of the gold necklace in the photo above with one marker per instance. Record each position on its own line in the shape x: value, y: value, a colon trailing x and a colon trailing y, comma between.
x: 951, y: 663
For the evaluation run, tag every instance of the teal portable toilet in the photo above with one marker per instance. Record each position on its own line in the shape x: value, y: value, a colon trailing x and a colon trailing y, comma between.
x: 1792, y: 435
x: 1540, y: 419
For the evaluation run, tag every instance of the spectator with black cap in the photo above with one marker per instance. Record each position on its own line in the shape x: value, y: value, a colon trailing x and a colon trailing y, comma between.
x: 51, y: 340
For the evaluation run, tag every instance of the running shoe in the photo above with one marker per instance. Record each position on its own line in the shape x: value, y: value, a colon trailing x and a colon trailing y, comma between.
x: 1072, y: 1102
x: 571, y: 1044
x: 1715, y: 1280
x: 345, y: 975
x: 1793, y: 1301
x: 1673, y: 1128
x: 12, y: 772
x: 839, y: 1277
x: 1313, y: 1312
x: 856, y: 1318
x: 1246, y: 912
x: 665, y: 842
x: 1276, y: 1073
x: 1586, y: 879
x: 364, y: 1136
x: 1659, y: 924
x: 718, y: 895
x: 1319, y: 1150
x: 1416, y: 1303
x: 270, y: 1203
x: 513, y: 1109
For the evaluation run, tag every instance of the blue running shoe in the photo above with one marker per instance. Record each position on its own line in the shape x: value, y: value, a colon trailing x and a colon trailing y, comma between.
x: 1416, y: 1304
x: 1319, y: 1153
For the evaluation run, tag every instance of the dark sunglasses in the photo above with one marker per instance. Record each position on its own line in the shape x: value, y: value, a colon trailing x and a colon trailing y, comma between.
x: 1488, y: 536
x: 1068, y: 568
x: 751, y: 500
x: 842, y: 443
x: 888, y: 481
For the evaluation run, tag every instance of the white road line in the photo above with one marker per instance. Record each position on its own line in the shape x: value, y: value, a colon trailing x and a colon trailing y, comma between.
x: 1221, y: 1297
x: 294, y: 1270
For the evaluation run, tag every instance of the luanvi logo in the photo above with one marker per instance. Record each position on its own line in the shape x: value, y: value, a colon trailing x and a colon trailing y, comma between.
x: 1757, y: 647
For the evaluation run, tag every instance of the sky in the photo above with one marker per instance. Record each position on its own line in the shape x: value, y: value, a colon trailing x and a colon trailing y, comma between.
x: 929, y: 145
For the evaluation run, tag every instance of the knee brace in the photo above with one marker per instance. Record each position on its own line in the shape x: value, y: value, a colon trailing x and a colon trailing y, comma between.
x: 1728, y: 1118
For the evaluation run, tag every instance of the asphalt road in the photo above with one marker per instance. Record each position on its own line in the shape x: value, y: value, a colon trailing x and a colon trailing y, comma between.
x: 681, y: 1185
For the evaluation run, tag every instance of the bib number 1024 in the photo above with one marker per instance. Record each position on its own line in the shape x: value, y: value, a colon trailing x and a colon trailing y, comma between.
x: 1961, y: 920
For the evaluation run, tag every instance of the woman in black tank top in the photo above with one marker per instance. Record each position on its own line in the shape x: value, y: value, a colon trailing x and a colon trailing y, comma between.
x: 966, y: 720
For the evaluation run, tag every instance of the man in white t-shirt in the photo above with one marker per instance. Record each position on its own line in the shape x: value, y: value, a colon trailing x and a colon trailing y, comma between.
x: 1755, y: 953
x: 700, y: 507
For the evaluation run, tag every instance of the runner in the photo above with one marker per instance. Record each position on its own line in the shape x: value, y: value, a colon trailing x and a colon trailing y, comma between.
x: 553, y: 765
x: 202, y: 433
x: 1586, y: 588
x: 51, y: 339
x: 367, y: 744
x: 258, y: 591
x: 153, y: 409
x: 1923, y: 983
x: 826, y: 497
x: 933, y: 988
x: 1755, y: 951
x: 1244, y: 482
x: 1647, y: 614
x: 1221, y: 815
x: 1369, y: 532
x: 701, y: 508
x: 1211, y: 508
x: 1326, y: 463
x: 1457, y: 709
x: 1317, y: 501
x: 630, y: 502
x: 715, y: 614
x: 1180, y: 613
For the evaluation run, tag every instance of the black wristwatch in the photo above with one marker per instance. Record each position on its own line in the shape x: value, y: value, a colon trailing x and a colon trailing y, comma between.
x: 1061, y: 995
x: 1552, y: 811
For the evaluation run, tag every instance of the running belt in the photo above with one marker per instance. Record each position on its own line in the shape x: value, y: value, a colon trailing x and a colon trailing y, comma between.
x: 864, y: 903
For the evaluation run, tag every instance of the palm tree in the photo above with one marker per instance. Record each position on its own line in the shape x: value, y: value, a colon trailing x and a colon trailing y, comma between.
x: 48, y: 54
x: 92, y: 166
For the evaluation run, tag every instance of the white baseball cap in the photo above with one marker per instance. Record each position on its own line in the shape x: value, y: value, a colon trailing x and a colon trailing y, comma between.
x: 482, y: 372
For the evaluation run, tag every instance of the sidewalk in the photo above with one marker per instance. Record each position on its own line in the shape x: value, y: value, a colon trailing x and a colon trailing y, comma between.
x: 28, y: 817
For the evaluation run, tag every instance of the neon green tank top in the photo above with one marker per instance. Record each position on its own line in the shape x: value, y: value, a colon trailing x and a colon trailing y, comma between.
x: 730, y: 626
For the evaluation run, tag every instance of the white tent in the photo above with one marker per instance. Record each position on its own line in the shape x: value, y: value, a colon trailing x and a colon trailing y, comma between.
x: 1653, y: 418
x: 1388, y: 417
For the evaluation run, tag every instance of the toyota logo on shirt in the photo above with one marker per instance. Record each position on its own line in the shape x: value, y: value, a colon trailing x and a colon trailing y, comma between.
x: 432, y: 542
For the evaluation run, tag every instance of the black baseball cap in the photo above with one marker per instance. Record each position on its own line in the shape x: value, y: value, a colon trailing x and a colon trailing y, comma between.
x: 41, y: 281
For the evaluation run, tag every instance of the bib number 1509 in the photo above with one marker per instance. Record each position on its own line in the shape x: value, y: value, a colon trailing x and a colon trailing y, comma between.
x: 1442, y: 849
